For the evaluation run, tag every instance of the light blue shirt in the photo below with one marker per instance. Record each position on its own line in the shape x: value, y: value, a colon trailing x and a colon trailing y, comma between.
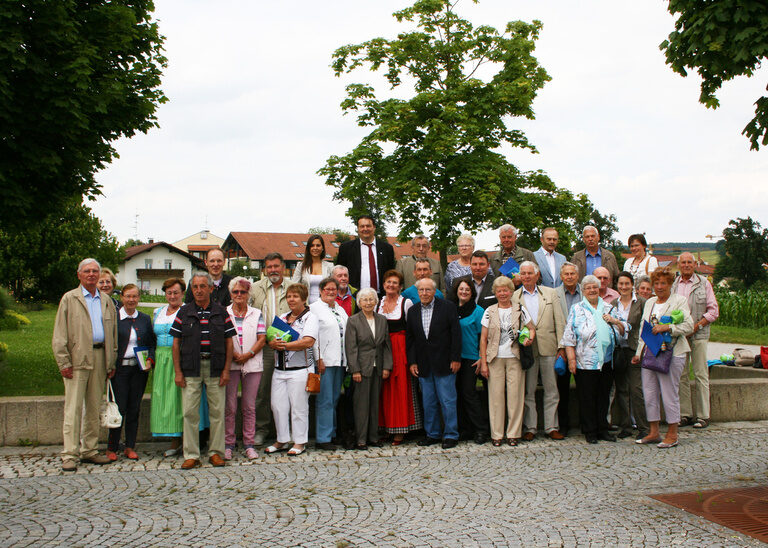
x: 532, y: 303
x: 94, y: 311
x: 593, y: 261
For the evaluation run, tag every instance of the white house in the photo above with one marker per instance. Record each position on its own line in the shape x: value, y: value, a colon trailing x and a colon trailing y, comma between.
x: 149, y: 265
x: 199, y: 243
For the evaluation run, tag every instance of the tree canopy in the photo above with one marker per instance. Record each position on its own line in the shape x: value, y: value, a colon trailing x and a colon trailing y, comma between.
x: 721, y: 40
x: 74, y: 77
x: 745, y: 247
x: 433, y: 161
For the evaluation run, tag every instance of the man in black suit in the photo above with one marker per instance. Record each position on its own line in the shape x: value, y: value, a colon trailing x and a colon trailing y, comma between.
x: 214, y: 264
x: 433, y: 345
x: 367, y: 258
x: 481, y: 277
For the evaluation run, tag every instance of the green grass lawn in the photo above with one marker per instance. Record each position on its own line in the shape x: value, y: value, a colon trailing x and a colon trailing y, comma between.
x: 739, y: 335
x: 29, y: 368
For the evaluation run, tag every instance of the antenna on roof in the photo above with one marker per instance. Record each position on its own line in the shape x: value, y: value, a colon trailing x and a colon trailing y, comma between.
x: 136, y: 225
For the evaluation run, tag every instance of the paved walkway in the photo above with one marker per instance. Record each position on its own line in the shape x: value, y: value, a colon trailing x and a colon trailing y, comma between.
x: 543, y: 493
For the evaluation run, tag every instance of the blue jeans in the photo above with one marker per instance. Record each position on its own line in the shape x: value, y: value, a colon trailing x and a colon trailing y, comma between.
x: 325, y: 405
x: 439, y: 395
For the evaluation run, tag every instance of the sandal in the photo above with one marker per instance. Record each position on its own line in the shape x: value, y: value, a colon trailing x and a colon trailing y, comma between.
x: 666, y: 445
x: 293, y: 452
x: 685, y: 421
x: 646, y: 440
x: 512, y: 442
x: 496, y: 443
x: 701, y: 423
x: 275, y: 449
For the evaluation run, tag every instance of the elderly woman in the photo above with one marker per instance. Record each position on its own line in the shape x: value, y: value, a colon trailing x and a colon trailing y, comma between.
x: 134, y: 335
x: 460, y: 267
x: 107, y: 283
x: 293, y: 360
x: 246, y: 369
x: 643, y: 287
x: 641, y: 263
x: 329, y: 353
x: 369, y: 359
x: 589, y: 338
x: 629, y: 384
x: 399, y: 411
x: 313, y: 268
x: 166, y: 419
x: 655, y: 383
x: 500, y: 362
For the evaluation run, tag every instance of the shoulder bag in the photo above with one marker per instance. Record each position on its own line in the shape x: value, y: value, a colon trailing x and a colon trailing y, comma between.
x: 110, y: 414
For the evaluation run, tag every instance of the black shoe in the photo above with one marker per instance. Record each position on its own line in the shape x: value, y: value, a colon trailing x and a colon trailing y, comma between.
x: 361, y: 447
x: 591, y: 439
x: 376, y: 443
x: 428, y: 441
x: 450, y: 443
x: 613, y: 428
x: 605, y: 436
x: 480, y: 438
x: 686, y: 421
x: 325, y: 446
x: 624, y: 434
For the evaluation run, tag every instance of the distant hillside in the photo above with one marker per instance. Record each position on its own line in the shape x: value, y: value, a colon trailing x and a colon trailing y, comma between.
x: 685, y: 246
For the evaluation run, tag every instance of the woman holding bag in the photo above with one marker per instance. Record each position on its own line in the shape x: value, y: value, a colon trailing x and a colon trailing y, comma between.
x: 247, y: 367
x: 656, y: 383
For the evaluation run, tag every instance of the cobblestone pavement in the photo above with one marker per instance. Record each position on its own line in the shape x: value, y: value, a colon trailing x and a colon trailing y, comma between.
x: 538, y: 494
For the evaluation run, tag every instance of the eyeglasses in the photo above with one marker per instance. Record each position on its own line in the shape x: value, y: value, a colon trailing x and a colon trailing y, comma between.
x: 239, y: 292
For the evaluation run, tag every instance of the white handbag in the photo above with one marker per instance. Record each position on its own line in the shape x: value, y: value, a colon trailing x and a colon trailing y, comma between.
x: 110, y: 415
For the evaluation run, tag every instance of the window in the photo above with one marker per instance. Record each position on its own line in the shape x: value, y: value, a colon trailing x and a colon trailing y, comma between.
x: 335, y: 244
x: 168, y: 263
x: 300, y: 255
x: 294, y: 244
x: 144, y: 285
x: 303, y: 243
x: 147, y: 263
x: 397, y: 244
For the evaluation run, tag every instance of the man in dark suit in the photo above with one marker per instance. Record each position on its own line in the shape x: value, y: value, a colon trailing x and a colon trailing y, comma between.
x: 481, y: 277
x: 366, y: 257
x: 433, y: 343
x: 214, y: 264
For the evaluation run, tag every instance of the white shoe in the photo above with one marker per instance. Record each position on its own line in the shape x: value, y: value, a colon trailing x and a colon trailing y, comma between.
x: 259, y: 440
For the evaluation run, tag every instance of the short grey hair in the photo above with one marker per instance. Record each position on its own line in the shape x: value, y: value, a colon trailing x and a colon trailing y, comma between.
x: 201, y: 274
x: 530, y: 263
x: 367, y: 292
x: 422, y: 260
x: 434, y: 285
x: 589, y: 280
x: 507, y: 227
x: 84, y: 262
x: 466, y: 236
x: 420, y: 237
x: 590, y: 227
x: 339, y: 267
x: 642, y: 278
x: 570, y: 265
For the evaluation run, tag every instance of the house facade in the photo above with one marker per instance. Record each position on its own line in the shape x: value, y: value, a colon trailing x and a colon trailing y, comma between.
x: 199, y: 243
x: 149, y: 265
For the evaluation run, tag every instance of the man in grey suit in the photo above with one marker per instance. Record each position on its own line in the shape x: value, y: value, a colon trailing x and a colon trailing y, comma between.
x: 587, y: 260
x: 569, y: 293
x: 420, y: 246
x: 548, y: 259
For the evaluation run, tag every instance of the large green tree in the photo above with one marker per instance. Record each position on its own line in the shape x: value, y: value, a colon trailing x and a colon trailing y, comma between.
x: 74, y: 77
x: 746, y: 249
x: 40, y: 262
x: 433, y: 157
x: 721, y: 40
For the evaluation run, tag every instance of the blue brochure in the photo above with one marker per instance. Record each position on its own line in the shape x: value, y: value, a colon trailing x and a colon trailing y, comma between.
x: 510, y: 267
x: 653, y: 342
x: 283, y: 326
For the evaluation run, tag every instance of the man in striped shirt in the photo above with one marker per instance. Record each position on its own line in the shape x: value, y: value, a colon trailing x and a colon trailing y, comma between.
x: 202, y: 355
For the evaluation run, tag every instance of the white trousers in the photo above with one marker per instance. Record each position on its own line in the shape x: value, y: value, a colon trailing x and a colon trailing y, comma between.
x: 290, y: 405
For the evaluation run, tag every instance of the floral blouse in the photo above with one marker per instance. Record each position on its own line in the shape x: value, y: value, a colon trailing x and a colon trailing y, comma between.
x: 581, y: 332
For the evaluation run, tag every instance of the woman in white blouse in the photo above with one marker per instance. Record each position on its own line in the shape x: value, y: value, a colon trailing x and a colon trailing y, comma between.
x: 329, y: 353
x: 313, y: 268
x: 641, y: 263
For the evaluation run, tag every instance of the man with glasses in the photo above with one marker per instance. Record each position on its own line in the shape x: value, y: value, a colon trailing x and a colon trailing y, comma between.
x: 420, y: 246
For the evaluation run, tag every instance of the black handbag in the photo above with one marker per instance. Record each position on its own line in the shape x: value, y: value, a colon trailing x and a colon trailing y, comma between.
x: 526, y: 352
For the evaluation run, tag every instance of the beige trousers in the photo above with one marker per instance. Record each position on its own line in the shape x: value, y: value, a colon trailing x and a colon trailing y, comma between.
x: 83, y: 394
x: 697, y: 360
x: 190, y: 401
x: 506, y: 395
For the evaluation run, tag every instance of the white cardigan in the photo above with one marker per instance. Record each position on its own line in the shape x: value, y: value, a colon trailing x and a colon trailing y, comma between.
x: 250, y: 335
x: 329, y: 345
x: 681, y: 330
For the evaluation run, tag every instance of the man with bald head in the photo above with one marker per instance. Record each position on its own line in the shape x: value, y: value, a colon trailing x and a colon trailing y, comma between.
x: 510, y: 249
x: 607, y: 293
x: 704, y: 310
x: 593, y: 256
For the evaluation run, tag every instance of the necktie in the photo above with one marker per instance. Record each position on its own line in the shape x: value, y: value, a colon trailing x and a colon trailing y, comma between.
x: 372, y: 267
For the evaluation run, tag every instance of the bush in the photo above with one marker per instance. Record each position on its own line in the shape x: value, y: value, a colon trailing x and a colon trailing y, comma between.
x: 6, y: 302
x: 747, y: 308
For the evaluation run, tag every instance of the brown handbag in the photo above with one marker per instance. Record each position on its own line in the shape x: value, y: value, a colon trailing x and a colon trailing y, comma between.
x: 313, y: 383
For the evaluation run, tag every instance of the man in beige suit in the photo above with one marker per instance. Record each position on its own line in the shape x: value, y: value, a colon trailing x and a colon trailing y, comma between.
x: 543, y: 306
x: 85, y: 347
x: 593, y: 256
x: 420, y: 246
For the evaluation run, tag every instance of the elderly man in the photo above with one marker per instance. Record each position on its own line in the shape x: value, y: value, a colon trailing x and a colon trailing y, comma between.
x: 510, y: 250
x: 202, y: 355
x: 214, y: 263
x: 569, y: 293
x: 421, y: 270
x: 549, y: 260
x: 482, y: 278
x: 543, y: 306
x: 433, y: 342
x: 366, y: 257
x: 593, y: 256
x: 268, y: 295
x: 607, y: 293
x: 420, y: 246
x: 345, y: 295
x: 85, y: 347
x: 704, y: 310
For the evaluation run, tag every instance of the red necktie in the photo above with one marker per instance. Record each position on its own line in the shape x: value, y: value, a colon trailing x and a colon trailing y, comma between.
x: 372, y: 267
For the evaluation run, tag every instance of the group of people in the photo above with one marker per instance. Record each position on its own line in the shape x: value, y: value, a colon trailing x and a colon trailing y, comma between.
x: 399, y: 346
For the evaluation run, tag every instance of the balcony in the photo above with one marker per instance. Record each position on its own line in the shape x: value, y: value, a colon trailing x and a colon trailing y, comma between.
x: 148, y: 273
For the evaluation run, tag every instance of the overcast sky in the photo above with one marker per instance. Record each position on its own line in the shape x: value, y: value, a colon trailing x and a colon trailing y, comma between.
x: 254, y: 113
